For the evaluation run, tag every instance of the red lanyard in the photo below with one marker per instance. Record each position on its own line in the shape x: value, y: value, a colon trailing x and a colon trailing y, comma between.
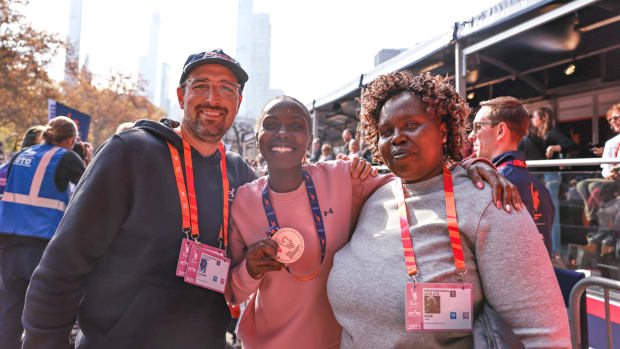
x: 190, y: 210
x: 453, y: 229
x: 516, y: 163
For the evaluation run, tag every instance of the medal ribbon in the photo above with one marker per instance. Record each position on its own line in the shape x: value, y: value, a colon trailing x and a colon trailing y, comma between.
x: 515, y: 163
x: 316, y: 215
x: 187, y: 195
x: 455, y: 236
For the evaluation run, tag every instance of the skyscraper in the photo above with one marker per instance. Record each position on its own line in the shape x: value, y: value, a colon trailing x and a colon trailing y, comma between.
x: 244, y: 32
x: 73, y: 36
x: 164, y: 101
x: 254, y: 54
x: 261, y: 51
x: 148, y: 63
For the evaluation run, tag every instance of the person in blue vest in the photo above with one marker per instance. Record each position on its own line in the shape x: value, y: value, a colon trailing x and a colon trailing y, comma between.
x: 497, y: 129
x: 31, y: 137
x: 31, y: 208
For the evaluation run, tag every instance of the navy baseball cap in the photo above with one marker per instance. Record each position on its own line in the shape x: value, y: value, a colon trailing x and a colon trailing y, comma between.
x: 216, y: 56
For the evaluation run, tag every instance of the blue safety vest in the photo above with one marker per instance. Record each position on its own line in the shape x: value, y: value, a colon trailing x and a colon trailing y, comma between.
x: 31, y: 204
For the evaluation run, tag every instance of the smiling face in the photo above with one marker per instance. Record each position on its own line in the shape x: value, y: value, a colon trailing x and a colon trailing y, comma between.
x: 209, y: 115
x: 284, y: 134
x: 410, y: 140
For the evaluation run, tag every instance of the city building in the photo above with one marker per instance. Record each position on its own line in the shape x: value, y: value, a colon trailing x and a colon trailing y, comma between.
x: 73, y: 36
x: 164, y: 99
x: 254, y: 54
x: 148, y: 64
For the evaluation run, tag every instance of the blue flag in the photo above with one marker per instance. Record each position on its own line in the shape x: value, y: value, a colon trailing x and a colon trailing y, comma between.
x: 82, y: 120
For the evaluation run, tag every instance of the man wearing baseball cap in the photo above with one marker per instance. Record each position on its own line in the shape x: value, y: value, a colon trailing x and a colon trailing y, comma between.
x: 119, y: 261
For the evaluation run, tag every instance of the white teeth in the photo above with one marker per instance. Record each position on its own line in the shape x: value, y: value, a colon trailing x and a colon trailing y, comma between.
x: 282, y: 149
x: 210, y: 112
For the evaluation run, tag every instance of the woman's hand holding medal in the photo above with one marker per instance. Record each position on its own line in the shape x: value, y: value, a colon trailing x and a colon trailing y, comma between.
x: 261, y: 258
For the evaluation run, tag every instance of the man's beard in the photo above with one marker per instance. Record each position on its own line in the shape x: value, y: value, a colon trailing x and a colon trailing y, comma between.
x: 210, y: 131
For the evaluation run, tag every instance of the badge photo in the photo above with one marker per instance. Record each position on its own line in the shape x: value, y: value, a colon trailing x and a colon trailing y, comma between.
x: 438, y: 306
x: 207, y: 268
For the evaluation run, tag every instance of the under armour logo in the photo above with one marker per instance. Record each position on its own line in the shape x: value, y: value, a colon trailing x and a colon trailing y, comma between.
x: 328, y: 212
x: 231, y: 194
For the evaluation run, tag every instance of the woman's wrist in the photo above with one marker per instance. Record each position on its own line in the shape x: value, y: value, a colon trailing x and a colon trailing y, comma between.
x: 254, y: 275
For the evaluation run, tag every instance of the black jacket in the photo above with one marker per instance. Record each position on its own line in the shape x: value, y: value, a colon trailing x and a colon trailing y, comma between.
x: 113, y: 258
x: 535, y: 148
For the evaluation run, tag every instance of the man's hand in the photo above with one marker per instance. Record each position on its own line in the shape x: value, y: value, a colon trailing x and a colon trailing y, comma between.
x: 505, y: 194
x: 359, y: 168
x: 260, y: 258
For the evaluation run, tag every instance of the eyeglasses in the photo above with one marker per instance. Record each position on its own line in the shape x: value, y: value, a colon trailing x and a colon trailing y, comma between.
x: 203, y: 87
x: 478, y: 125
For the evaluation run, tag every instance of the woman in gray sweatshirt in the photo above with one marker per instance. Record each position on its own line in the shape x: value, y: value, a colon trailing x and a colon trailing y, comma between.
x: 415, y: 124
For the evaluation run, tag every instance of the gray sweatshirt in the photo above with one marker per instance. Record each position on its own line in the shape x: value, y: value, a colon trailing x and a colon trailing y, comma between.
x: 506, y: 260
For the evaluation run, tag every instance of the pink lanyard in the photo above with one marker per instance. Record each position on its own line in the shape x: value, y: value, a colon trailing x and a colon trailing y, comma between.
x: 455, y: 236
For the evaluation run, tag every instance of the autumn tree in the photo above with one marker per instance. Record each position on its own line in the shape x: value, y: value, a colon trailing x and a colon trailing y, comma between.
x: 25, y: 85
x: 109, y: 101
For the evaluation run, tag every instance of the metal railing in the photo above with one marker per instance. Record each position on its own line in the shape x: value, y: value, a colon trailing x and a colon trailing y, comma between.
x: 572, y: 162
x: 575, y: 309
x: 550, y: 163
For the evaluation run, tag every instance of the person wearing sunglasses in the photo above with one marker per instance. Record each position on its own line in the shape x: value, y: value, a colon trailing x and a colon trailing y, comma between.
x: 596, y: 191
x: 497, y: 129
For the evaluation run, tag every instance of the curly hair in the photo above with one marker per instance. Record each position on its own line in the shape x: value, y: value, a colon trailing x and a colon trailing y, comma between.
x: 440, y: 100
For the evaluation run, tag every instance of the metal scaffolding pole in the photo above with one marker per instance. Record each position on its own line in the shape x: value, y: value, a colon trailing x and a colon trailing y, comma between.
x: 460, y: 69
x: 315, y: 121
x: 595, y: 114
